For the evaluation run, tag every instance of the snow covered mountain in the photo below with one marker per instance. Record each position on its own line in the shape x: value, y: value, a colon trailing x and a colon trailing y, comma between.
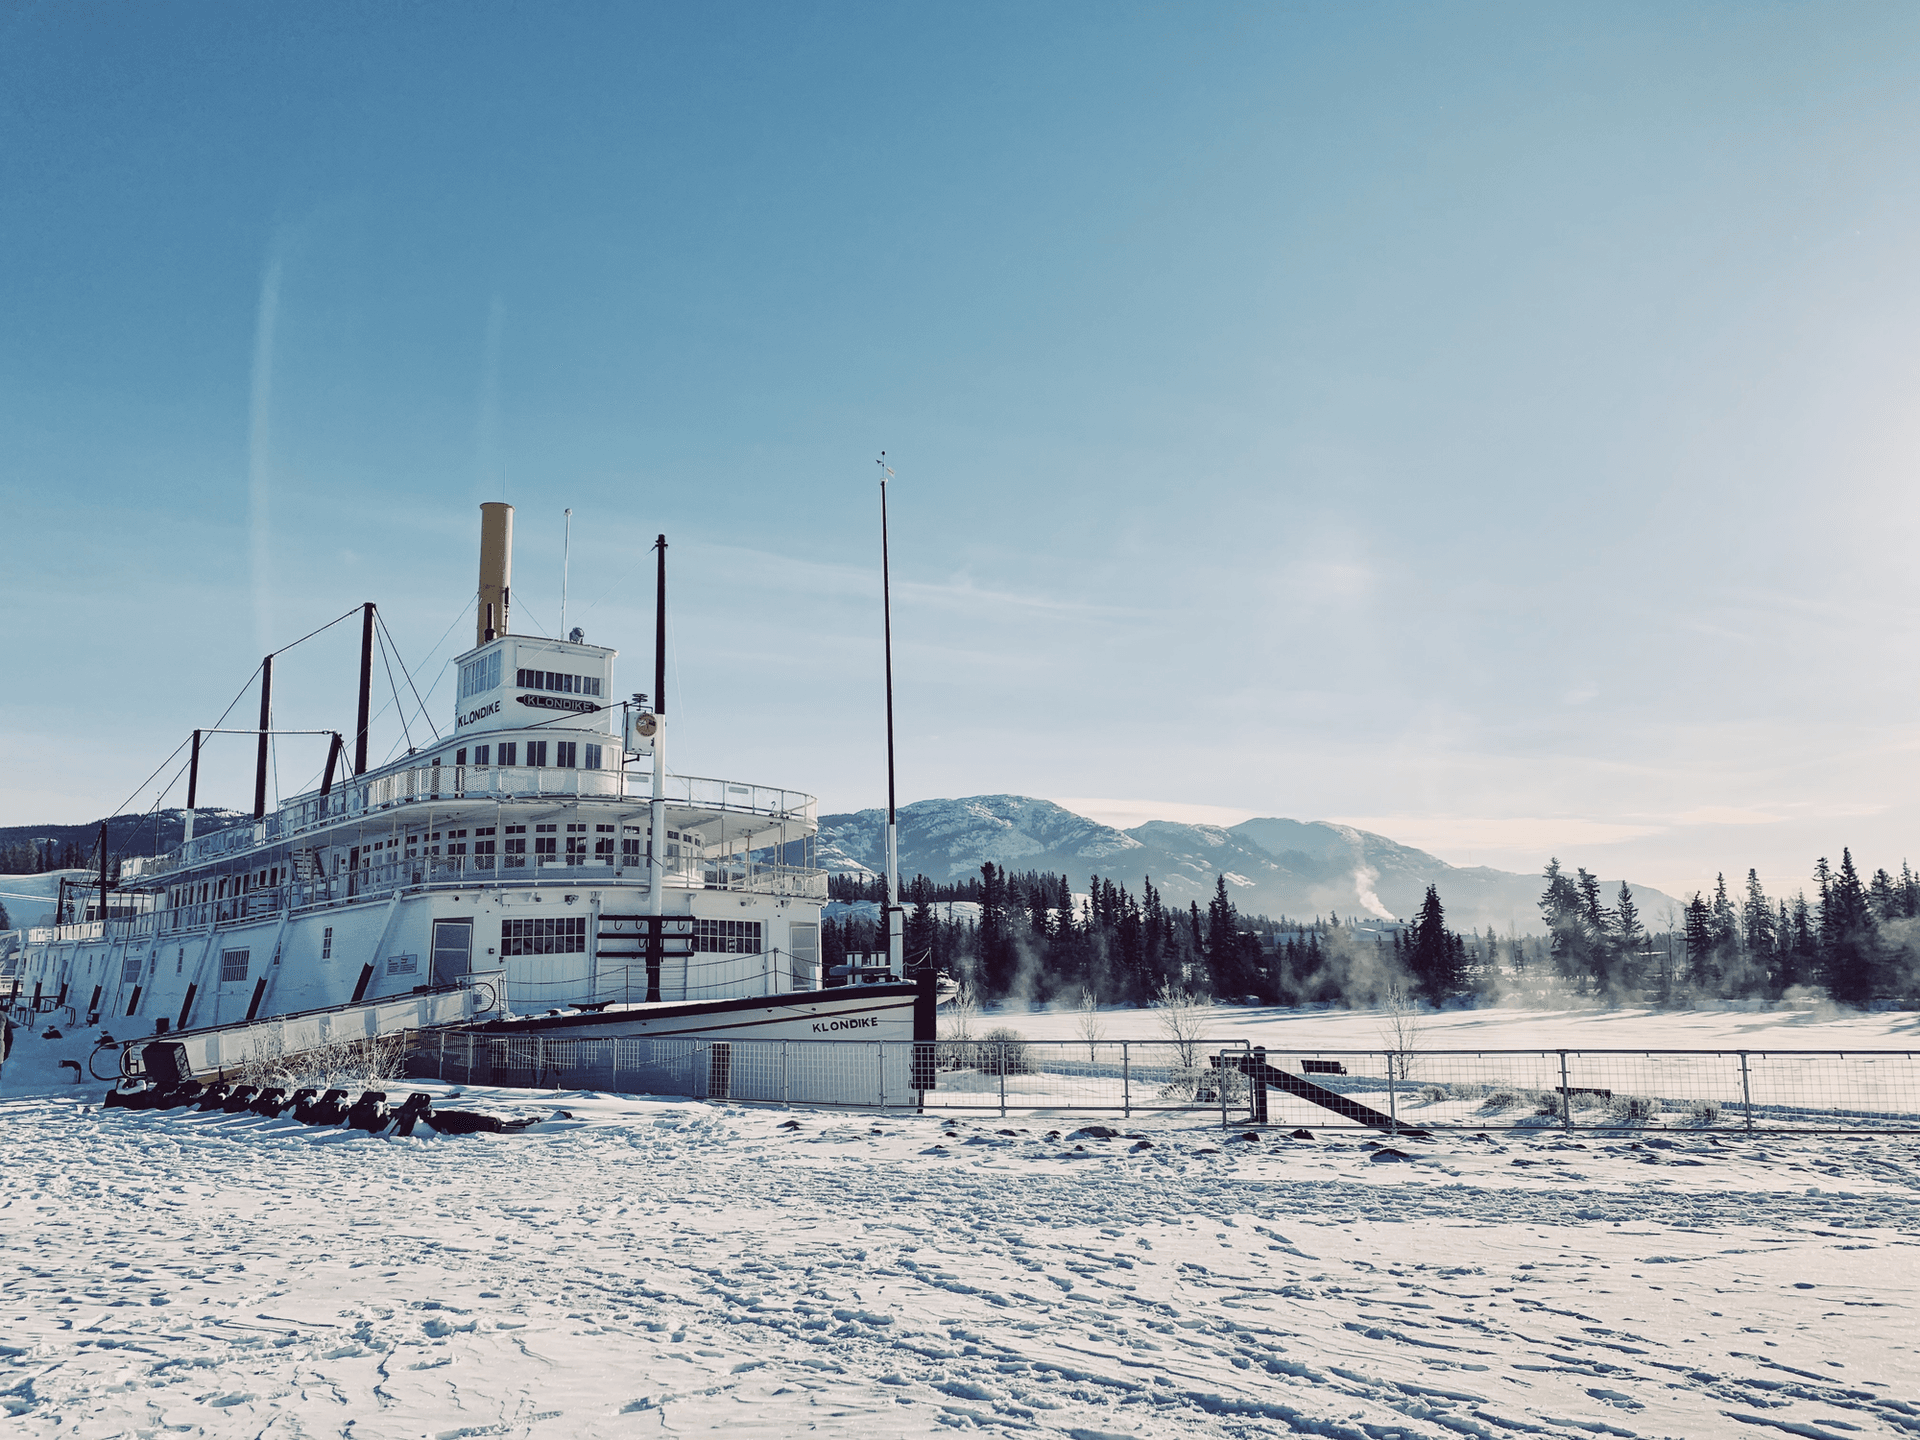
x: 1272, y: 866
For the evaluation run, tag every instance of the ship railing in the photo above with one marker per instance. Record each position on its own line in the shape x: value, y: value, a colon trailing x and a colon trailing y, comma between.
x: 370, y: 882
x: 431, y: 784
x: 61, y: 934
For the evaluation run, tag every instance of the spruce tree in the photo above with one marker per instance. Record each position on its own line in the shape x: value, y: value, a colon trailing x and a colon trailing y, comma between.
x: 1628, y: 938
x: 1757, y: 916
x: 1432, y: 956
x: 1882, y: 896
x: 918, y: 942
x: 1853, y: 949
x: 1701, y: 949
x: 1223, y: 943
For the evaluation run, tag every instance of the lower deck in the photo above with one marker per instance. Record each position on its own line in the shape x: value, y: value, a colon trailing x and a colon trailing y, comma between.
x: 557, y: 946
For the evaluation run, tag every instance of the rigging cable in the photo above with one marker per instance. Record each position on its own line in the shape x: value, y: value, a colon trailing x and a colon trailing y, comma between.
x: 183, y: 744
x: 381, y: 622
x: 394, y: 687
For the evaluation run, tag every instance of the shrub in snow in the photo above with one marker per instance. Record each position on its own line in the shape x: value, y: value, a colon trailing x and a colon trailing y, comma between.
x: 1002, y: 1051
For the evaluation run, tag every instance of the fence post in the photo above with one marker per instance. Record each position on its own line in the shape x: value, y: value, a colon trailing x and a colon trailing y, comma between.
x: 783, y: 1071
x: 1126, y: 1081
x: 1746, y: 1090
x: 1393, y: 1095
x: 1220, y: 1079
x: 883, y: 1074
x: 1002, y: 1068
x: 1566, y: 1098
x: 613, y: 1063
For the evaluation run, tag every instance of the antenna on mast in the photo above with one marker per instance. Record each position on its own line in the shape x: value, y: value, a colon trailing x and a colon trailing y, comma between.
x: 566, y: 564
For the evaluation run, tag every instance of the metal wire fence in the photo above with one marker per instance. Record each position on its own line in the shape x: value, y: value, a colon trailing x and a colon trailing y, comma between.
x: 1778, y: 1091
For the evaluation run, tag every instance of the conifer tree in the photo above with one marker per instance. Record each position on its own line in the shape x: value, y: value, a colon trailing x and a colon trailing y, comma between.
x: 1762, y: 938
x: 1883, y: 898
x: 1853, y: 944
x: 1701, y: 946
x: 1223, y: 942
x: 1432, y: 955
x: 1628, y: 938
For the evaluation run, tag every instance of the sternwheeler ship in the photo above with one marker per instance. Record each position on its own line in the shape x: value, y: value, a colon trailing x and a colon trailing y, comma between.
x: 541, y: 858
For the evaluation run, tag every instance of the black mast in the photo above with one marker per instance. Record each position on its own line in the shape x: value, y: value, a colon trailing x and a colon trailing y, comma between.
x: 366, y: 689
x: 660, y: 631
x: 260, y: 755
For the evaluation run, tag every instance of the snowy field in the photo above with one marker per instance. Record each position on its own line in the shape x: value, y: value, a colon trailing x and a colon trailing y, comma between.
x: 1504, y: 1027
x: 667, y: 1267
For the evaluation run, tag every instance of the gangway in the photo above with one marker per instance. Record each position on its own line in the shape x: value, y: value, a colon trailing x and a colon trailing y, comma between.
x: 215, y: 1049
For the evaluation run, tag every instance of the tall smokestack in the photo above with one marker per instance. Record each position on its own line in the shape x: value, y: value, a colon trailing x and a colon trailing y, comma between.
x: 496, y: 571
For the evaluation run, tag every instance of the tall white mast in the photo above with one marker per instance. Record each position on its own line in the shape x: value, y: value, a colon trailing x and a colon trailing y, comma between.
x: 896, y: 939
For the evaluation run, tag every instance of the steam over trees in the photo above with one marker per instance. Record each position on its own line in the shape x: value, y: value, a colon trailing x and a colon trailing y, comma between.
x: 1858, y: 939
x: 1030, y: 936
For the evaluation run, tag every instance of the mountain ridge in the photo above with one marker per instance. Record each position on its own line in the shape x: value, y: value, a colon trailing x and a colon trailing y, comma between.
x: 1273, y: 865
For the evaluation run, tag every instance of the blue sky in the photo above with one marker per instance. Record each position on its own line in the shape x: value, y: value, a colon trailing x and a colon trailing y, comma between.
x: 1494, y: 425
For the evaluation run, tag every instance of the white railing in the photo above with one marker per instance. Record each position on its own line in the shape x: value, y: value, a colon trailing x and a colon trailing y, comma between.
x: 441, y: 784
x: 749, y: 876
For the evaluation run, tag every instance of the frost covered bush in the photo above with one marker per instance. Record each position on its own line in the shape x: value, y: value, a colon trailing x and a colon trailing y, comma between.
x: 1002, y: 1051
x: 1630, y: 1109
x: 1704, y: 1112
x: 364, y: 1063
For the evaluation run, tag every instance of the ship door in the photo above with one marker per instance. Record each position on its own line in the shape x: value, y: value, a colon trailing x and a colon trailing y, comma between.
x: 452, y: 951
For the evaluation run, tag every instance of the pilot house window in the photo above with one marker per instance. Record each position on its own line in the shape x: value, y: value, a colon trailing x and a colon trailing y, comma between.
x: 479, y: 676
x: 557, y: 682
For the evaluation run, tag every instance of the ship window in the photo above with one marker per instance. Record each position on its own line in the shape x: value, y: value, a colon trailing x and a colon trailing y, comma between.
x: 484, y: 830
x: 129, y: 969
x: 558, y: 936
x: 536, y: 753
x: 558, y: 682
x: 727, y: 937
x: 510, y: 754
x: 603, y: 829
x: 630, y: 850
x: 566, y: 753
x: 603, y: 849
x: 576, y: 847
x: 326, y: 943
x: 459, y: 757
x: 179, y: 959
x: 479, y: 676
x: 233, y: 965
x: 593, y: 757
x: 480, y: 754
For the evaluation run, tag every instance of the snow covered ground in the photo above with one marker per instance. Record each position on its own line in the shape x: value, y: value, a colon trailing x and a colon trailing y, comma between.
x: 654, y: 1267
